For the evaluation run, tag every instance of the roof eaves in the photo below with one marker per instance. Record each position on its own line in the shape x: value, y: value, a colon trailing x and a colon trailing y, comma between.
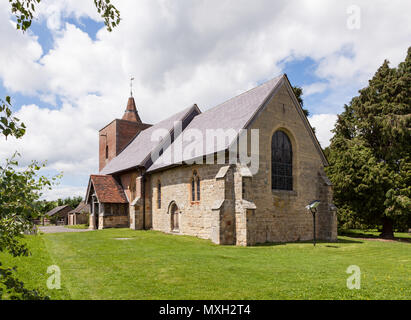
x: 88, y: 189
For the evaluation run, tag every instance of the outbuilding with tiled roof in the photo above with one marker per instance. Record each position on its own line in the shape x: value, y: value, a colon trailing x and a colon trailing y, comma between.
x: 59, y: 214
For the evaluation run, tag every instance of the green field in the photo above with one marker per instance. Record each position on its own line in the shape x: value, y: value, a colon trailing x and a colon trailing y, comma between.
x: 153, y: 265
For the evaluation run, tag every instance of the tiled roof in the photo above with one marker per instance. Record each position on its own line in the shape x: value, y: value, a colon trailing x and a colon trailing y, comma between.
x: 137, y: 152
x: 107, y: 189
x: 82, y: 207
x: 52, y: 212
x: 234, y: 114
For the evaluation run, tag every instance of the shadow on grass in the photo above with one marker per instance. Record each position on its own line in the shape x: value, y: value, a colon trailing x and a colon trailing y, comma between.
x: 328, y: 244
x: 370, y: 235
x: 358, y: 234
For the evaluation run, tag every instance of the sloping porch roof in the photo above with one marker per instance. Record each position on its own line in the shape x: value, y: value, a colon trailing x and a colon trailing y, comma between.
x: 106, y: 188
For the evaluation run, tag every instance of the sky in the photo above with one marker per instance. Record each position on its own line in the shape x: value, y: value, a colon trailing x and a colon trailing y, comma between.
x: 68, y: 76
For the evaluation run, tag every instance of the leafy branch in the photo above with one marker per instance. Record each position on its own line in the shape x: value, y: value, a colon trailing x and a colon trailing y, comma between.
x: 24, y: 12
x: 10, y: 125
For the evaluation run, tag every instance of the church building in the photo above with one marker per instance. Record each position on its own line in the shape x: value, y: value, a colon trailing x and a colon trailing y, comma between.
x: 149, y: 177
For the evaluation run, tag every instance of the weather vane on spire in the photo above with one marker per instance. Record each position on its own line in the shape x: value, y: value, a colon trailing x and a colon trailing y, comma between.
x: 131, y: 85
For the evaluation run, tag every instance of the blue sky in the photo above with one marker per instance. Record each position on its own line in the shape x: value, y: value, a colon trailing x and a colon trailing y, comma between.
x: 68, y: 76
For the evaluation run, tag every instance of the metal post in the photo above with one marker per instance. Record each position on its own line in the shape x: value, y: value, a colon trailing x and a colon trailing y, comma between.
x: 312, y: 207
x: 314, y: 226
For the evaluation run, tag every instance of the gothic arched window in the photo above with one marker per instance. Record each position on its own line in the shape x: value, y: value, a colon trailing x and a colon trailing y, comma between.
x: 106, y: 152
x: 281, y: 162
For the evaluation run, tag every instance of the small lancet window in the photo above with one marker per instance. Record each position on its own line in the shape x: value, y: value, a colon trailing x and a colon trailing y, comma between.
x: 198, y: 189
x: 193, y: 190
x: 195, y: 187
x: 106, y: 152
x: 159, y: 195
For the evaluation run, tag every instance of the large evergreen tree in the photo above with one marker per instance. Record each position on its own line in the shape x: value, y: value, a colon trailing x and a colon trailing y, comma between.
x: 370, y: 153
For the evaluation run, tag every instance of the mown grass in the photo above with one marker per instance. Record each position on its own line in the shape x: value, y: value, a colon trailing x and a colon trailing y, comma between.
x: 153, y: 265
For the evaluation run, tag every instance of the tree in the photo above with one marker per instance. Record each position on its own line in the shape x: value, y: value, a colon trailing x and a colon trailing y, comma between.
x: 72, y: 202
x: 10, y: 125
x: 20, y: 190
x: 298, y: 91
x: 24, y: 12
x: 370, y: 153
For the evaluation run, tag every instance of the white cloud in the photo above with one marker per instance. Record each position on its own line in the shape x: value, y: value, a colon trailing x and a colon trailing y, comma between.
x: 182, y: 53
x: 323, y: 124
x: 316, y: 87
x: 62, y: 192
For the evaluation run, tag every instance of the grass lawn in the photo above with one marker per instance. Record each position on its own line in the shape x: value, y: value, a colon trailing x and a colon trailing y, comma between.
x: 153, y: 265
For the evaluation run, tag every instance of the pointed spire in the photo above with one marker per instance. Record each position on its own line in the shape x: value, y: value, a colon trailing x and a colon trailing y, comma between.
x: 131, y: 113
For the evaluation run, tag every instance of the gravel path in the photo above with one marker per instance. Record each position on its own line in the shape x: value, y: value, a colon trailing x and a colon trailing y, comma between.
x: 57, y: 229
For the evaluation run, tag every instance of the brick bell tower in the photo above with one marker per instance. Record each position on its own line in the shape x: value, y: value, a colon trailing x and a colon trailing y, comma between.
x: 115, y: 136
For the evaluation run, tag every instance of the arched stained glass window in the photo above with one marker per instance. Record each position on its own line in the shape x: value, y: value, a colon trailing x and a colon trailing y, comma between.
x: 281, y: 162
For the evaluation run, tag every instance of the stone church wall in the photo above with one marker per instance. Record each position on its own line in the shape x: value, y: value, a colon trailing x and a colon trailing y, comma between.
x: 280, y: 215
x: 196, y: 218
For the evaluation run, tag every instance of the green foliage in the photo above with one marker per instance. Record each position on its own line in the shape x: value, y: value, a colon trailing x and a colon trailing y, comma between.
x: 10, y: 125
x: 24, y: 12
x: 370, y: 152
x: 72, y: 202
x: 15, y: 289
x: 44, y: 206
x: 19, y: 192
x: 298, y: 91
x: 109, y: 13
